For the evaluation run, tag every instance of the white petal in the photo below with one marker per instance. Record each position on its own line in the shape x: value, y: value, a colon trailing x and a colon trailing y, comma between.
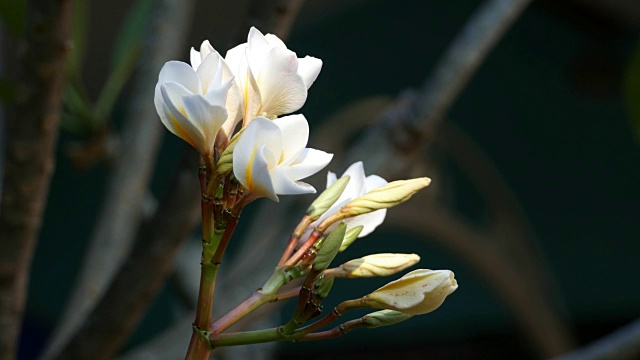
x: 234, y: 57
x: 309, y: 162
x: 181, y: 73
x: 295, y: 135
x: 309, y: 68
x: 172, y: 94
x: 356, y: 185
x: 209, y: 72
x: 282, y: 89
x: 207, y: 117
x: 283, y: 185
x: 234, y: 104
x: 369, y: 221
x: 251, y: 94
x: 331, y: 178
x: 261, y: 132
x: 258, y: 49
x: 373, y: 182
x: 274, y: 41
x: 205, y: 49
x: 195, y: 58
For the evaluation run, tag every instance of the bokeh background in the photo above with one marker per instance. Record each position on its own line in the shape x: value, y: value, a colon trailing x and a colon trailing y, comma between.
x: 551, y: 113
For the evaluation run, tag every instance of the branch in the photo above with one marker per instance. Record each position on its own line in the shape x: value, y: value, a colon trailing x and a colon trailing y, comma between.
x: 401, y: 132
x: 122, y: 210
x: 136, y: 284
x: 32, y: 132
x: 622, y: 344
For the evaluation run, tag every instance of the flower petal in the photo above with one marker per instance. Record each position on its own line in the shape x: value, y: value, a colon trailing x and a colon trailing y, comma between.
x: 309, y: 162
x: 295, y: 133
x: 369, y: 222
x: 172, y: 95
x: 260, y: 133
x: 180, y: 73
x: 274, y: 41
x: 373, y: 182
x: 195, y: 58
x: 251, y: 94
x: 309, y: 68
x: 282, y: 89
x: 234, y: 57
x: 258, y: 48
x: 284, y: 185
x: 260, y: 181
x: 331, y: 178
x: 206, y: 116
x: 210, y: 73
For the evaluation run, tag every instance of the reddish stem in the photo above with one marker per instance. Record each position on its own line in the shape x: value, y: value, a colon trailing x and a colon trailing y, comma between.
x: 315, y: 235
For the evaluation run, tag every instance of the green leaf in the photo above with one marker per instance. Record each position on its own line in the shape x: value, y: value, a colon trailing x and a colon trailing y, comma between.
x: 631, y: 93
x: 330, y: 247
x: 13, y: 14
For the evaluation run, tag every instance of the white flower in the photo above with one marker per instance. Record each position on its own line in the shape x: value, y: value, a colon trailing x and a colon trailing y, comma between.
x: 272, y: 79
x: 358, y: 185
x: 271, y: 156
x: 192, y: 102
x: 418, y: 292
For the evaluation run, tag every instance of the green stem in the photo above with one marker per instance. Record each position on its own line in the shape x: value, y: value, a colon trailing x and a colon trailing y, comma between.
x: 247, y: 337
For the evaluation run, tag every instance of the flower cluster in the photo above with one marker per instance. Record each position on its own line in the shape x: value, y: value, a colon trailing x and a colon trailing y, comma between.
x: 256, y: 82
x: 235, y: 111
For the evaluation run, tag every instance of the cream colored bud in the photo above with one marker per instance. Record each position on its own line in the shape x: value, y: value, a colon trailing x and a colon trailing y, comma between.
x: 390, y: 195
x: 351, y: 236
x: 377, y: 265
x: 384, y: 318
x: 327, y: 198
x: 418, y: 292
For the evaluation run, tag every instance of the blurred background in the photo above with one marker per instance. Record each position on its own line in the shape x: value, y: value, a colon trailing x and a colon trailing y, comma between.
x: 535, y: 163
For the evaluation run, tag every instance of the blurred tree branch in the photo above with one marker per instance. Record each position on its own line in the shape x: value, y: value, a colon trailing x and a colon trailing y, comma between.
x: 622, y: 344
x: 122, y: 210
x: 32, y: 131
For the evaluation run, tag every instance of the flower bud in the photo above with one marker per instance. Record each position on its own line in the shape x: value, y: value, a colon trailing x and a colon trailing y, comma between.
x: 390, y: 195
x: 225, y: 163
x: 351, y: 236
x: 377, y: 265
x: 327, y: 198
x: 330, y: 247
x: 384, y: 318
x: 418, y: 292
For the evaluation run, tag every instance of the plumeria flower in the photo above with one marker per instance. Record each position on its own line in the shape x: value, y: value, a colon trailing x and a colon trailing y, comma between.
x: 359, y: 184
x: 234, y: 103
x: 418, y: 292
x: 271, y: 156
x: 272, y: 79
x: 193, y: 102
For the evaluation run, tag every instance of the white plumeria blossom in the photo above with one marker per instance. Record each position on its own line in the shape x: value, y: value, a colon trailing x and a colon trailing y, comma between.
x: 359, y: 184
x: 193, y: 102
x: 271, y: 156
x: 272, y: 79
x: 418, y: 292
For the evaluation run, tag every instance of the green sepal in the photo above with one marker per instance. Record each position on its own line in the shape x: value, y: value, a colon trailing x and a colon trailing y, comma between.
x: 330, y: 247
x: 323, y: 286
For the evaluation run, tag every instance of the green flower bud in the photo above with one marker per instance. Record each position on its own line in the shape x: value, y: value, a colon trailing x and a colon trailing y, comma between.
x: 225, y: 163
x: 350, y: 237
x: 330, y: 247
x: 384, y: 318
x: 327, y: 198
x: 377, y: 265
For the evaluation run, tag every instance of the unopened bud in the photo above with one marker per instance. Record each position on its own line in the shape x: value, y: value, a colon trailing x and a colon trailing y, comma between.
x: 327, y: 198
x: 418, y: 292
x: 225, y: 163
x: 384, y: 318
x: 330, y: 247
x: 350, y: 236
x: 377, y: 265
x: 390, y: 195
